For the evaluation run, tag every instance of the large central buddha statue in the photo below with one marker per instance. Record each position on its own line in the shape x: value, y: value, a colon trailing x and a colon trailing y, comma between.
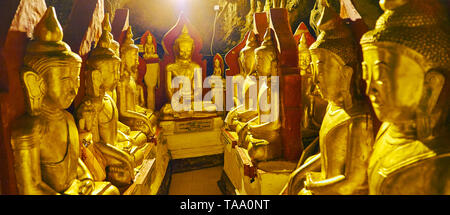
x: 406, y: 67
x: 184, y: 68
x: 130, y: 112
x: 45, y: 140
x: 346, y: 134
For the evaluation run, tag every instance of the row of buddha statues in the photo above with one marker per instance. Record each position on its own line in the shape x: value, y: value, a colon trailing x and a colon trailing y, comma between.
x: 98, y: 149
x: 401, y: 79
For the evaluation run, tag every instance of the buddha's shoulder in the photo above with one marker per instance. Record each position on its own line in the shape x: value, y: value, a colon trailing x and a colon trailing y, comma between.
x: 25, y: 127
x: 416, y: 155
x: 195, y: 65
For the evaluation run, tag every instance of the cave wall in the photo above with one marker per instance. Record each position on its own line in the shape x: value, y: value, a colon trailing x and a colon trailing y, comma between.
x: 234, y: 18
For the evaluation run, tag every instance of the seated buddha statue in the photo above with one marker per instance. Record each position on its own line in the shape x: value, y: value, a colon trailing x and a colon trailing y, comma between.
x: 406, y: 67
x: 115, y: 47
x: 346, y: 134
x: 314, y: 107
x: 184, y: 68
x: 246, y: 110
x: 45, y: 140
x: 151, y: 77
x: 149, y: 48
x: 124, y: 131
x: 98, y: 114
x: 218, y: 74
x: 261, y: 135
x: 130, y: 113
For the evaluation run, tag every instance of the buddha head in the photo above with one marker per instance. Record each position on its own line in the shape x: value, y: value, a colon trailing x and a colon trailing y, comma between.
x: 129, y: 54
x: 304, y: 57
x: 184, y: 45
x: 406, y: 65
x: 106, y: 27
x: 51, y: 70
x: 333, y: 57
x: 247, y: 54
x: 266, y: 56
x: 102, y: 67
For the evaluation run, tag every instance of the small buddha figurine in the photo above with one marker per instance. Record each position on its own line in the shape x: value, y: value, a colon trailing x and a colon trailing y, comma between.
x: 149, y: 48
x: 151, y: 77
x: 45, y: 139
x: 248, y: 73
x: 217, y: 68
x: 406, y: 68
x: 98, y: 114
x: 183, y: 66
x: 261, y: 135
x: 219, y: 73
x: 346, y: 134
x: 130, y: 113
x: 314, y: 107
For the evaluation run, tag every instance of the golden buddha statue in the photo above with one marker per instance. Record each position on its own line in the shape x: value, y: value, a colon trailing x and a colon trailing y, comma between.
x: 261, y: 135
x: 98, y: 114
x: 130, y: 113
x: 151, y: 77
x: 124, y: 130
x: 149, y: 48
x: 45, y: 139
x: 218, y: 74
x: 406, y: 68
x: 184, y: 67
x: 346, y: 134
x: 115, y: 46
x: 314, y: 107
x: 218, y: 71
x: 247, y: 110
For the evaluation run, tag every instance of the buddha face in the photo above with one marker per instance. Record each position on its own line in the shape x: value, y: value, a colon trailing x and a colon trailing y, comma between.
x: 130, y: 58
x: 327, y: 69
x: 185, y: 50
x: 264, y: 62
x: 247, y: 59
x: 304, y: 60
x: 110, y: 73
x: 62, y: 83
x: 394, y: 82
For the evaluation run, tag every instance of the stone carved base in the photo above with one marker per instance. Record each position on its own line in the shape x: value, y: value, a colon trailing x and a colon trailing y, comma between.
x: 264, y: 178
x: 153, y: 169
x: 190, y: 138
x: 190, y: 164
